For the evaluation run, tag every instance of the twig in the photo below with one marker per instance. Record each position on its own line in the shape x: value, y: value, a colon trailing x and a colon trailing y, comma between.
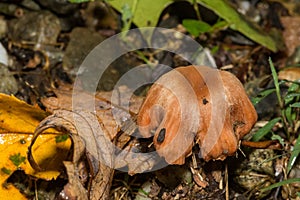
x: 226, y: 180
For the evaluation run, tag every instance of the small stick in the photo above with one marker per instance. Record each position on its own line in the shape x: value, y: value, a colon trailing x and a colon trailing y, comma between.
x: 226, y: 180
x: 269, y: 144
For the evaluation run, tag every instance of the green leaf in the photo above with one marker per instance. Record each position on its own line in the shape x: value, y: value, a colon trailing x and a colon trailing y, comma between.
x: 237, y: 22
x: 6, y: 171
x: 221, y: 24
x: 291, y: 95
x: 281, y: 183
x: 196, y: 27
x: 262, y: 95
x: 144, y: 192
x: 17, y: 159
x: 61, y: 138
x: 277, y: 137
x: 214, y: 49
x: 276, y: 83
x: 296, y: 105
x: 289, y: 115
x: 294, y: 155
x: 147, y: 12
x: 265, y: 130
x: 294, y: 87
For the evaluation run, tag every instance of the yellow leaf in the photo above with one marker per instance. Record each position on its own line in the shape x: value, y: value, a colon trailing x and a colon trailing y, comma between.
x: 18, y: 121
x: 10, y: 192
x: 17, y: 116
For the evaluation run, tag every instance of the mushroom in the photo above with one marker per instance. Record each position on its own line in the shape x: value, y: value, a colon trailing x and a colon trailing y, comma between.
x: 196, y: 104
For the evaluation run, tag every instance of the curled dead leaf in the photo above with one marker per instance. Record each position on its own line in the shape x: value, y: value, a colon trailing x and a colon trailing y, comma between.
x: 97, y: 138
x: 90, y: 141
x: 196, y: 104
x: 108, y: 116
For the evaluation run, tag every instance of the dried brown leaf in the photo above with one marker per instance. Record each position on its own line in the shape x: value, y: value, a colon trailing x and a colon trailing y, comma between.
x: 88, y: 138
x: 96, y: 137
x: 291, y: 33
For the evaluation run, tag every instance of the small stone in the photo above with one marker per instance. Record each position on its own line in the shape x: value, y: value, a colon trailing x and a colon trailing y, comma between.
x: 8, y: 84
x: 82, y: 41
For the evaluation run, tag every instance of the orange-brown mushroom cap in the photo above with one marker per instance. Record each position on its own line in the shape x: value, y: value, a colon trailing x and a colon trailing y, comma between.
x: 196, y: 103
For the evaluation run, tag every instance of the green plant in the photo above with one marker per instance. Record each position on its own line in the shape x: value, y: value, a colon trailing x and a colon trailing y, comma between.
x: 146, y: 13
x: 196, y: 27
x: 288, y: 103
x: 289, y: 117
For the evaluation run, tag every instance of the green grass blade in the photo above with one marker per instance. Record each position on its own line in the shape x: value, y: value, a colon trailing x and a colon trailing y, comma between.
x: 294, y: 155
x: 265, y: 130
x: 277, y: 137
x: 289, y: 114
x: 291, y: 95
x: 262, y: 95
x: 275, y: 78
x: 296, y: 105
x: 294, y: 87
x: 281, y: 183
